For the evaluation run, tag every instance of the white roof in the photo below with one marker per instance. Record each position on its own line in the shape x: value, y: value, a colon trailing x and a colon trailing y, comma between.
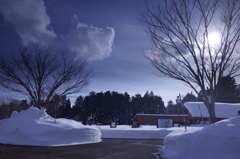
x: 222, y: 110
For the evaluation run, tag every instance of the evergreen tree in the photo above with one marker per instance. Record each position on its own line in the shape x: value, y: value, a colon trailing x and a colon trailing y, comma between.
x: 161, y: 109
x: 172, y: 108
x: 90, y: 108
x: 23, y: 105
x: 107, y: 108
x: 52, y: 106
x: 189, y: 97
x: 153, y: 104
x: 65, y: 106
x: 59, y: 106
x: 113, y: 106
x: 137, y: 104
x: 125, y: 110
x: 78, y: 112
x: 230, y: 92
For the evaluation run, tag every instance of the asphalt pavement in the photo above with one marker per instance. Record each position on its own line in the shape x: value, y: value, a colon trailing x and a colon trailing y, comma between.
x: 107, y: 149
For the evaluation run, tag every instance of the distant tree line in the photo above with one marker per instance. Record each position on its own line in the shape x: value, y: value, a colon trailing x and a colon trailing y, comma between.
x: 8, y: 105
x: 58, y: 106
x: 96, y: 107
x: 113, y: 106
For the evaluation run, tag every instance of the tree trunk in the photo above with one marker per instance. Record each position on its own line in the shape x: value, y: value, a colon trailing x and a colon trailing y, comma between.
x: 211, y: 111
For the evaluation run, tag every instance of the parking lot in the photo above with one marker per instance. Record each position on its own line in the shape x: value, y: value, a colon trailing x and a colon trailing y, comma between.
x: 107, y: 149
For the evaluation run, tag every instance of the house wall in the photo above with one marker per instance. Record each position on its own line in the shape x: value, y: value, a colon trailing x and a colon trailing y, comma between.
x: 198, y: 120
x: 144, y: 119
x: 153, y: 120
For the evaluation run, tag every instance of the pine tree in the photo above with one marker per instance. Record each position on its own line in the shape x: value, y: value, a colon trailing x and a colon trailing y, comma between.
x: 172, y: 108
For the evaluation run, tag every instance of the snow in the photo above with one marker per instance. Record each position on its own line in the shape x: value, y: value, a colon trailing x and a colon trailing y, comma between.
x: 143, y: 132
x: 222, y: 110
x: 219, y: 140
x: 36, y: 128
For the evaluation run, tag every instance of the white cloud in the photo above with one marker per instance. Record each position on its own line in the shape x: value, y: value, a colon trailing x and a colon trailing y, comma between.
x: 74, y: 19
x: 90, y: 41
x: 29, y: 19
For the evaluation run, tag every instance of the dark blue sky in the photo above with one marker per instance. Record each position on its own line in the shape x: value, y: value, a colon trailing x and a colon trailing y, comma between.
x: 107, y: 31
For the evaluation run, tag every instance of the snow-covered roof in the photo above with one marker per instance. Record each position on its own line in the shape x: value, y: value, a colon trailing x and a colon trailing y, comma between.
x: 162, y: 114
x: 222, y: 110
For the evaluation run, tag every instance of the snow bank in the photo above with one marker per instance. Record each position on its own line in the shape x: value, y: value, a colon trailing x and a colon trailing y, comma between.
x: 219, y: 140
x: 35, y: 127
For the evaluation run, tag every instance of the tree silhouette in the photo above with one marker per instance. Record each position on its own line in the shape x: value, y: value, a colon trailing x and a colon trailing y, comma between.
x: 39, y: 74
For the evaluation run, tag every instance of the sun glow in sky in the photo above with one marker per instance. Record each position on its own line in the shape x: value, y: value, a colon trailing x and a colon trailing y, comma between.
x: 214, y: 39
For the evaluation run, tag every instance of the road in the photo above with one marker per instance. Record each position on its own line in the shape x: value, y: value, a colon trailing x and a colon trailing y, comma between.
x: 107, y: 149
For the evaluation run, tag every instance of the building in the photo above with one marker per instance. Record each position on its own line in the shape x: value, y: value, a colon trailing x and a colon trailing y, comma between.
x: 197, y: 114
x: 157, y: 119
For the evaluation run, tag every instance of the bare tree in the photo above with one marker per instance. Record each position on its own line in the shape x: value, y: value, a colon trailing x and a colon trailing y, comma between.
x: 196, y: 43
x: 39, y: 74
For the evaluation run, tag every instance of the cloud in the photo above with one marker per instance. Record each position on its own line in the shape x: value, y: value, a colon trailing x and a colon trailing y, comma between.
x: 181, y: 48
x: 29, y: 19
x: 74, y: 19
x: 31, y: 22
x: 90, y: 41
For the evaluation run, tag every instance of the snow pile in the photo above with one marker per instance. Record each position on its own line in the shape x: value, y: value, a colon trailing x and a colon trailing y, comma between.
x: 35, y: 127
x: 219, y: 140
x: 222, y: 110
x: 143, y: 132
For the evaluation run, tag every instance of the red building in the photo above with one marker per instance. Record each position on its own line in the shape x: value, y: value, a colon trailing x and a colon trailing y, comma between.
x: 155, y: 119
x: 197, y: 114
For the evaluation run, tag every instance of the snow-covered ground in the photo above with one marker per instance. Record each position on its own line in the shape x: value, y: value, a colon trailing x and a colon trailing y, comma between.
x: 216, y: 141
x: 143, y: 132
x: 35, y: 127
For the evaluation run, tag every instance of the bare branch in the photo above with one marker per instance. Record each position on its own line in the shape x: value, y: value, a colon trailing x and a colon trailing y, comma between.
x: 39, y: 74
x: 181, y: 31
